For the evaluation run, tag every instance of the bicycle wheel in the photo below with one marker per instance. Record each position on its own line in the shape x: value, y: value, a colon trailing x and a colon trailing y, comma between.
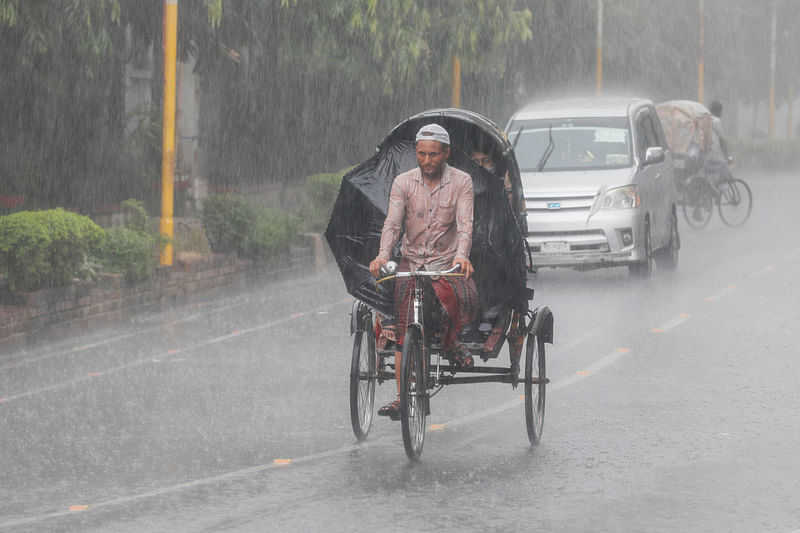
x: 535, y: 384
x: 735, y: 202
x: 698, y: 201
x: 362, y: 378
x: 413, y: 394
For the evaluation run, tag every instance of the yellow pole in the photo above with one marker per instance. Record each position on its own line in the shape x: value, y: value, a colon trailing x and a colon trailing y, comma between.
x: 772, y: 72
x: 701, y: 44
x: 790, y: 121
x: 599, y: 47
x: 166, y: 228
x: 455, y: 98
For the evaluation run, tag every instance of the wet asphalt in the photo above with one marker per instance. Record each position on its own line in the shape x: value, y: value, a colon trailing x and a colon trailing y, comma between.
x: 672, y: 407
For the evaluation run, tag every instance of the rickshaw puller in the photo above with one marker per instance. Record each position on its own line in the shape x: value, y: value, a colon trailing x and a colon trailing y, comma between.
x: 433, y: 203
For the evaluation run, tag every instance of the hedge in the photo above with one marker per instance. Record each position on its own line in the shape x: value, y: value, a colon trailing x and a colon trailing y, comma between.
x: 783, y: 155
x: 321, y: 191
x: 130, y: 249
x: 233, y: 225
x: 45, y: 248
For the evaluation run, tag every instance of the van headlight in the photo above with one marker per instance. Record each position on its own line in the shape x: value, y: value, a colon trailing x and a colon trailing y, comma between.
x: 621, y: 198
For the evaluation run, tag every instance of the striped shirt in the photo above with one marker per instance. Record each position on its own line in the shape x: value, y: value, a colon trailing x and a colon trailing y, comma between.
x: 438, y: 221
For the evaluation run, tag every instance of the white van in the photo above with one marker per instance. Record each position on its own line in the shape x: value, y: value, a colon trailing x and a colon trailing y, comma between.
x: 598, y: 181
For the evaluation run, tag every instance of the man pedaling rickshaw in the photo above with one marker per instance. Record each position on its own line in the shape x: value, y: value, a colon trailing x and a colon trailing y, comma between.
x: 431, y: 206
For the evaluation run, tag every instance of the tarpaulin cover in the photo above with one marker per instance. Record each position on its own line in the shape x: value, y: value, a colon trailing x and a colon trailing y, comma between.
x: 354, y: 229
x: 684, y: 122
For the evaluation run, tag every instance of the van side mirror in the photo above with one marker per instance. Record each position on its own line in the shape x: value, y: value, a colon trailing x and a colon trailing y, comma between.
x: 654, y: 154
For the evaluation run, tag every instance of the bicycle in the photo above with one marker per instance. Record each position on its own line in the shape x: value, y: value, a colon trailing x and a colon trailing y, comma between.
x: 732, y: 197
x: 423, y: 371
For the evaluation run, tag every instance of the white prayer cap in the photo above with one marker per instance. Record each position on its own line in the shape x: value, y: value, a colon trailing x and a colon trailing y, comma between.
x: 433, y: 132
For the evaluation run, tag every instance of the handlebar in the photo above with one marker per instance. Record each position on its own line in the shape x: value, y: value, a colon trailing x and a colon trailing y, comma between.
x: 453, y: 271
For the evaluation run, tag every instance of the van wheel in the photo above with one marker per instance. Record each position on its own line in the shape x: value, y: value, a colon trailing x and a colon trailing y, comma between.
x: 644, y: 269
x: 667, y: 257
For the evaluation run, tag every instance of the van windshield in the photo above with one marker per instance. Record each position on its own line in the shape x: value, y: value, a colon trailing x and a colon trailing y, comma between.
x: 594, y: 143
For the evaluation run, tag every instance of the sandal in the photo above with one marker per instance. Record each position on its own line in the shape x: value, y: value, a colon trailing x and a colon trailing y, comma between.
x: 462, y: 362
x: 460, y: 359
x: 392, y: 410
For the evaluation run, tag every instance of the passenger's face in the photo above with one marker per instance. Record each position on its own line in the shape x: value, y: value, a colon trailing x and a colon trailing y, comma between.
x: 483, y: 160
x: 431, y: 156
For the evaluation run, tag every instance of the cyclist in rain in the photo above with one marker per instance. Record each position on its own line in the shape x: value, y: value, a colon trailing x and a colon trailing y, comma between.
x: 717, y: 161
x: 431, y: 207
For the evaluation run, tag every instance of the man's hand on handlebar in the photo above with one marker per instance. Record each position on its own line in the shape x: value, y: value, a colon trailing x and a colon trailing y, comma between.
x: 375, y: 267
x: 465, y: 266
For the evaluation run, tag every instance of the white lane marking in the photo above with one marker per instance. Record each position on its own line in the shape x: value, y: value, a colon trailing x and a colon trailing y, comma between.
x: 767, y: 269
x: 109, y: 340
x: 149, y: 358
x: 720, y: 294
x: 681, y: 318
x: 552, y: 387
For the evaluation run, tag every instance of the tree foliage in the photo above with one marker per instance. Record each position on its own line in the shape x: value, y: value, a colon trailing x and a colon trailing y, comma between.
x: 295, y: 87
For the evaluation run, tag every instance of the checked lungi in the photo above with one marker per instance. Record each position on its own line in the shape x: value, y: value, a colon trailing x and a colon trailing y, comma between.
x: 458, y: 297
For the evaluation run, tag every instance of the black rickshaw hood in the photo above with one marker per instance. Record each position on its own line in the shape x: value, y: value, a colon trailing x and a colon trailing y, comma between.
x: 498, y: 248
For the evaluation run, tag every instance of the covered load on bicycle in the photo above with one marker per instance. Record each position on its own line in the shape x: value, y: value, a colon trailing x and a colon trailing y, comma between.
x: 498, y: 244
x: 688, y: 127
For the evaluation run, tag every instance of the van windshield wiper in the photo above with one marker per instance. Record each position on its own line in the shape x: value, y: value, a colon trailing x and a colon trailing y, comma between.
x: 549, y: 150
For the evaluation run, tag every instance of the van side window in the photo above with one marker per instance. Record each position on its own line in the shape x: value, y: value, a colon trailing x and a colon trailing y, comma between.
x: 650, y: 131
x: 641, y: 136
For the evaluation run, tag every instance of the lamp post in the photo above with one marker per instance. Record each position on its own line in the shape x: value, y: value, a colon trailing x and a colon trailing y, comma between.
x: 700, y: 45
x: 599, y: 46
x: 772, y: 53
x: 166, y: 226
x: 455, y: 95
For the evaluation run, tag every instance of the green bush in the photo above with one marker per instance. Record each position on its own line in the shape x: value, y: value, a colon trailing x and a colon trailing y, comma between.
x: 233, y: 225
x: 130, y: 249
x: 45, y: 248
x: 127, y: 251
x: 226, y: 219
x: 270, y: 233
x: 321, y: 191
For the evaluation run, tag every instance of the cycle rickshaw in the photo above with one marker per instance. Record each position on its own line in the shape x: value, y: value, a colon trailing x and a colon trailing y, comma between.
x: 700, y: 179
x: 501, y: 261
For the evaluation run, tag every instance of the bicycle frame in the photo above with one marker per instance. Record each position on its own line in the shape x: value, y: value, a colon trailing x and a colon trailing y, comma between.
x: 539, y: 319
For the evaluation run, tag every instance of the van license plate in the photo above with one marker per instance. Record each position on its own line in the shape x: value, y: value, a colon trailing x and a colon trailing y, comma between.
x: 555, y: 247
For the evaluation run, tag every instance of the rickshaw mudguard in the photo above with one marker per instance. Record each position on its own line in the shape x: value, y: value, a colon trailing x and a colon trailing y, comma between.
x: 542, y: 323
x: 358, y: 312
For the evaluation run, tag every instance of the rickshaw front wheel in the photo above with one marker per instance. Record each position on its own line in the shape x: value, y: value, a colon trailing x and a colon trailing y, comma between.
x: 735, y: 203
x: 413, y: 394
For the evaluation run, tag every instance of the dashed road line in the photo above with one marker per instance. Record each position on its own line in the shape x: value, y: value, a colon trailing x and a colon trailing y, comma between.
x: 595, y: 367
x: 149, y: 358
x: 766, y: 270
x: 671, y: 324
x: 721, y: 293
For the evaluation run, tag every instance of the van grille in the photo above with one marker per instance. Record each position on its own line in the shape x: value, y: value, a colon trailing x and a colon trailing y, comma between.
x: 560, y: 202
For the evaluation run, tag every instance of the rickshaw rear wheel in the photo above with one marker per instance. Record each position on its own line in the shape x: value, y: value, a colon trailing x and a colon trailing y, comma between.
x: 698, y: 202
x: 535, y: 392
x: 362, y: 378
x: 413, y: 394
